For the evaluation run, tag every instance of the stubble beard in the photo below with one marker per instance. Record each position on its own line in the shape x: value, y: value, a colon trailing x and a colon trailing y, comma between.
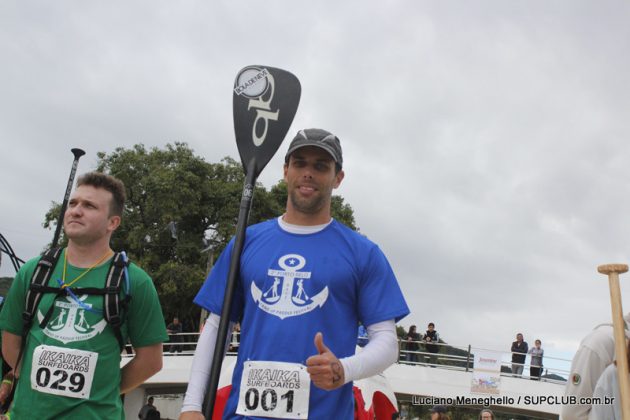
x: 81, y: 239
x: 83, y: 236
x: 310, y: 205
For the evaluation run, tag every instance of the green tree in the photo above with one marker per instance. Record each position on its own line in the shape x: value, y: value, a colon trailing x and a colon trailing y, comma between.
x: 400, y: 332
x: 178, y: 205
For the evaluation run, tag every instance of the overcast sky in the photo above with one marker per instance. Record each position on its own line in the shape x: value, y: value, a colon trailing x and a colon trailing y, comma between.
x: 485, y: 142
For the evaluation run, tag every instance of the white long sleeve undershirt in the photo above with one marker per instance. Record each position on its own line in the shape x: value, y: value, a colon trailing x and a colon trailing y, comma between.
x: 202, y: 363
x: 379, y: 353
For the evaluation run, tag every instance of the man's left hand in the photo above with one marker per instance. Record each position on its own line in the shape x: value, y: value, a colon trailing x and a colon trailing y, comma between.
x: 325, y: 369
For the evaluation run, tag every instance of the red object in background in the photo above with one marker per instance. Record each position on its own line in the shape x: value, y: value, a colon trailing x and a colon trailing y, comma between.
x: 220, y: 401
x: 380, y: 409
x: 383, y: 408
x: 359, y: 406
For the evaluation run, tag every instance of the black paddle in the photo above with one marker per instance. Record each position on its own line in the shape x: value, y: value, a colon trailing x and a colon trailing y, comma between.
x: 77, y: 154
x: 265, y: 101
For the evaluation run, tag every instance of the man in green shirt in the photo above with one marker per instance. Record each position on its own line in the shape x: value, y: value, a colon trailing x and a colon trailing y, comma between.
x: 71, y: 366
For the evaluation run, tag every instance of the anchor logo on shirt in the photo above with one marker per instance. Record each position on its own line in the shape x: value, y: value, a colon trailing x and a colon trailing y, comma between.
x: 69, y: 324
x: 279, y: 299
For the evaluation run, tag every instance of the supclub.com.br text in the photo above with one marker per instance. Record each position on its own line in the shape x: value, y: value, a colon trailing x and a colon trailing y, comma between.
x: 505, y: 400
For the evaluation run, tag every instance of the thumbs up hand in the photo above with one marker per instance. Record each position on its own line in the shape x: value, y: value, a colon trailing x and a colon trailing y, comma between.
x: 325, y: 369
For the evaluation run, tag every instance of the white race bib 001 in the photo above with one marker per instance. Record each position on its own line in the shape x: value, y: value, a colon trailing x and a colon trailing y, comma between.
x: 274, y: 389
x: 60, y: 371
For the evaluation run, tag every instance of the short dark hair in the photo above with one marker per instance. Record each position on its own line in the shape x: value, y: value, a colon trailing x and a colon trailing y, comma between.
x: 486, y: 410
x: 431, y: 324
x: 108, y: 183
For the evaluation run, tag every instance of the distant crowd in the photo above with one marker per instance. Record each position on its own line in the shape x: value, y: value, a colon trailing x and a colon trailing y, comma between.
x: 520, y: 350
x: 415, y: 347
x: 430, y: 341
x: 423, y: 348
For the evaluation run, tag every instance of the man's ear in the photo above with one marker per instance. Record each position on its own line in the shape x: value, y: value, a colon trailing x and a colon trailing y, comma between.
x: 338, y: 178
x: 113, y: 223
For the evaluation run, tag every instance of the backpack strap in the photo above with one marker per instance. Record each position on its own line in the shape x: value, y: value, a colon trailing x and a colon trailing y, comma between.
x: 112, y: 303
x: 38, y: 286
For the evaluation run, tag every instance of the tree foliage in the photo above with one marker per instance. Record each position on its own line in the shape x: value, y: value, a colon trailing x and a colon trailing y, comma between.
x: 179, y: 205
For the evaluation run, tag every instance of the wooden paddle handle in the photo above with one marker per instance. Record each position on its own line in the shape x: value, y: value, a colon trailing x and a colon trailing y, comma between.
x: 613, y: 271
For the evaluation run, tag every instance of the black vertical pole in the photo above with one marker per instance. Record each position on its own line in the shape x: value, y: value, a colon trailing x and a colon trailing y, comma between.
x: 77, y: 154
x: 235, y: 261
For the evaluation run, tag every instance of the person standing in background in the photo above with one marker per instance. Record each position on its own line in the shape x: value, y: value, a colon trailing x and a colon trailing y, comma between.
x: 431, y: 337
x: 536, y: 363
x: 519, y: 353
x: 412, y: 345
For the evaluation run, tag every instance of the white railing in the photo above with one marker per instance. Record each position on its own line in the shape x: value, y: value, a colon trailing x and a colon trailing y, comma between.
x: 557, y: 369
x: 184, y: 343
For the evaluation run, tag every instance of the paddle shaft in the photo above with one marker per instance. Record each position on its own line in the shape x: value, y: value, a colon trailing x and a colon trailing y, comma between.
x: 613, y: 270
x: 75, y: 163
x: 235, y: 261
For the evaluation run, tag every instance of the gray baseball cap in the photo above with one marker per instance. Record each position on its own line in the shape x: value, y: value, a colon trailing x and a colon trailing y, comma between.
x: 318, y: 138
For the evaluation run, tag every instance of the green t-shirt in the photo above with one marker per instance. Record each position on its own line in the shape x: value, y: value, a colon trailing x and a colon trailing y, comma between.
x: 77, y: 346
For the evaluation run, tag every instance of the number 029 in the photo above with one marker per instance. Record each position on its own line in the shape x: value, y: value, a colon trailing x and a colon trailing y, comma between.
x: 43, y: 377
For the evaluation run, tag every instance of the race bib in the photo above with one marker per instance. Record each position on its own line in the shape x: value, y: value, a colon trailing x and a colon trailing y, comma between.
x: 66, y: 372
x: 274, y: 389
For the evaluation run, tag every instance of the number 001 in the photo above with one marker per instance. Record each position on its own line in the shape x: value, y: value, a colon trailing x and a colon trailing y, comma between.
x: 268, y: 400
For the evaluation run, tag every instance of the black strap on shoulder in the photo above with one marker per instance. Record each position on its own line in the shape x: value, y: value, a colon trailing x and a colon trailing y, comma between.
x: 39, y: 285
x: 111, y: 296
x: 39, y: 282
x: 112, y: 303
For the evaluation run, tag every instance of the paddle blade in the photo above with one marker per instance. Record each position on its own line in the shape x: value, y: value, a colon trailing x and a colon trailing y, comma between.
x: 265, y: 102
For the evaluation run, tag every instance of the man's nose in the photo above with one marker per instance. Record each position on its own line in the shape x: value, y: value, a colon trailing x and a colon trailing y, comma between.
x: 75, y: 210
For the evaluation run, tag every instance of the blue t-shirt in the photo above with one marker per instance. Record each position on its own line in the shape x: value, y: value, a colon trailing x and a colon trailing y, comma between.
x: 362, y: 336
x: 292, y: 286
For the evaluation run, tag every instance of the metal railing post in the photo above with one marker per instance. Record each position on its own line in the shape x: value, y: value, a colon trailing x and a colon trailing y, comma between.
x: 468, y: 358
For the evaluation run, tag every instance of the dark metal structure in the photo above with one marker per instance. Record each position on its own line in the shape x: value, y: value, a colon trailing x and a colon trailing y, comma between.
x: 6, y: 248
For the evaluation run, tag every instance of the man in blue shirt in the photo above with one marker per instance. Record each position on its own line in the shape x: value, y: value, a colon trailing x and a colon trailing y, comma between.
x: 305, y: 282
